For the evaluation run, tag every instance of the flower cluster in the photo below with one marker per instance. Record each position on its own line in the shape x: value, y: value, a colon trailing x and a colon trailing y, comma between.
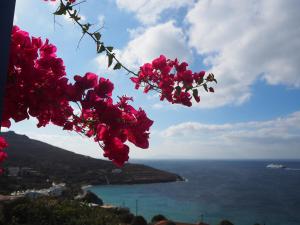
x: 109, y: 123
x: 37, y: 86
x: 172, y: 80
x: 3, y: 155
x: 36, y: 82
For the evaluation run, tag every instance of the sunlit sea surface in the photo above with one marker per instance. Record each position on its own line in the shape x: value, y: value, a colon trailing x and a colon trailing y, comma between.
x: 244, y: 192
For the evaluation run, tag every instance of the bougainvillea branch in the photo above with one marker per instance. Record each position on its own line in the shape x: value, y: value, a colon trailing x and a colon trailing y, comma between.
x: 171, y: 79
x: 37, y: 86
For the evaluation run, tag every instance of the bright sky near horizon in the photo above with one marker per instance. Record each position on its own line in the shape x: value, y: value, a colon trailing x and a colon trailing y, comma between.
x: 252, y: 47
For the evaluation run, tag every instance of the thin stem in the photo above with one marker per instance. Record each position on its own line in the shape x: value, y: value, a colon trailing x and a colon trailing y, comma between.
x: 80, y: 40
x: 85, y: 31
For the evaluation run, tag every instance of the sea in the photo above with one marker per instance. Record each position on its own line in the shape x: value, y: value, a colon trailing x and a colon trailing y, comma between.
x: 242, y: 191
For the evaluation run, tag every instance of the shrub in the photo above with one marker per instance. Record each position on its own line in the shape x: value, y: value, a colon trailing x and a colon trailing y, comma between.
x: 158, y: 218
x: 54, y: 211
x: 138, y: 220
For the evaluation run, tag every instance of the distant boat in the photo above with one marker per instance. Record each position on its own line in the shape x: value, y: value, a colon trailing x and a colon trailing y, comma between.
x: 276, y: 166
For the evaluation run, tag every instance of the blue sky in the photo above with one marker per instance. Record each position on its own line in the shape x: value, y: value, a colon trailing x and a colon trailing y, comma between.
x: 251, y: 46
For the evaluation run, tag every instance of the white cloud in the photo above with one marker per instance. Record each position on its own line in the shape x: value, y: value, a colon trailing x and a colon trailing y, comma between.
x: 135, y: 32
x: 278, y: 138
x: 164, y: 105
x: 244, y: 41
x: 149, y: 11
x: 101, y: 20
x: 157, y: 106
x: 166, y: 39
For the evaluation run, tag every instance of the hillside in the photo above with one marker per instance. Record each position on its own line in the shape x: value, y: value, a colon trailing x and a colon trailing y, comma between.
x: 33, y: 163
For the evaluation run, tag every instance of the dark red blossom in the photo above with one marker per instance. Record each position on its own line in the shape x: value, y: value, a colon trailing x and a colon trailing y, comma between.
x: 3, y: 143
x: 89, y: 80
x: 3, y: 155
x: 37, y: 86
x: 173, y: 80
x: 116, y: 151
x: 138, y: 130
x: 104, y: 88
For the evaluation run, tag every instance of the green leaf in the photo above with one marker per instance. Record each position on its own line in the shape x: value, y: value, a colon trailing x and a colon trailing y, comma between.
x: 76, y: 18
x: 100, y: 48
x: 110, y: 59
x: 86, y: 27
x: 195, y: 92
x: 215, y: 81
x: 61, y: 10
x: 205, y: 87
x: 117, y: 66
x: 178, y: 90
x: 110, y: 48
x: 97, y: 36
x: 187, y: 88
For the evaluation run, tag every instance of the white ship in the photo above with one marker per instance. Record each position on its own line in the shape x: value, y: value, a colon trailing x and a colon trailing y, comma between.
x: 276, y: 166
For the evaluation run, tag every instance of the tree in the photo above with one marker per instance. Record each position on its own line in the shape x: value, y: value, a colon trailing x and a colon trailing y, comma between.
x: 37, y: 86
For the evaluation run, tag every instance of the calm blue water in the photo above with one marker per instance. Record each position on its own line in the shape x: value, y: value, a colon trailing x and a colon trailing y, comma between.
x: 245, y: 192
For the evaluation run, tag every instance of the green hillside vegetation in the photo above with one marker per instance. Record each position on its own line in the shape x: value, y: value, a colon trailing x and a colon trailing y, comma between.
x: 52, y: 211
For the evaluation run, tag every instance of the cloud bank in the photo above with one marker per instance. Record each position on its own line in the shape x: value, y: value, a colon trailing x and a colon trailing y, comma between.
x: 258, y: 139
x: 241, y: 42
x: 244, y: 41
